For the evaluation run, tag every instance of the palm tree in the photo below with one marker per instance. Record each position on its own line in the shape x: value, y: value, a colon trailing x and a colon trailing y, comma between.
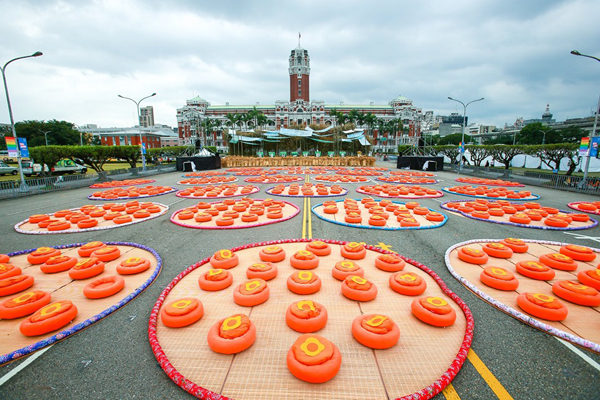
x: 353, y: 116
x: 360, y: 119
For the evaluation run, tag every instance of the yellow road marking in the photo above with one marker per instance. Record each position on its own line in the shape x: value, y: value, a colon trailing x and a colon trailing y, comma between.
x: 450, y: 393
x: 304, y: 220
x: 488, y: 377
x: 308, y: 210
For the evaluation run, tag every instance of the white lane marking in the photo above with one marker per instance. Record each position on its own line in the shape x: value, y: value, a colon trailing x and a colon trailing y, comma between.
x: 580, y: 353
x: 18, y: 369
x: 175, y: 202
x: 580, y: 236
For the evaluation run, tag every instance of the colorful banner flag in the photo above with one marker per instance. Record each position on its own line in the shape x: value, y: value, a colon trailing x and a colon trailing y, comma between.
x: 595, y: 144
x: 23, y: 146
x: 11, y: 146
x: 584, y: 146
x: 461, y: 147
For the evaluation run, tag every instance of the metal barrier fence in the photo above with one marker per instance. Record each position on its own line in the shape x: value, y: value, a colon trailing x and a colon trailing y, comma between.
x: 10, y: 189
x: 569, y: 183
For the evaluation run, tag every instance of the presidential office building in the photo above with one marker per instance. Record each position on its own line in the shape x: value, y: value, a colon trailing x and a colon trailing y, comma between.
x: 300, y: 111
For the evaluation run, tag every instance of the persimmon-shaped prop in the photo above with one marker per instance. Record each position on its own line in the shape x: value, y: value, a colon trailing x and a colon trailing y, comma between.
x: 535, y: 270
x: 559, y: 261
x: 4, y: 258
x: 251, y: 293
x: 58, y: 264
x: 87, y: 249
x: 42, y: 254
x: 182, y: 312
x: 15, y: 284
x: 407, y: 283
x: 314, y: 359
x: 354, y: 251
x: 86, y: 268
x: 272, y: 254
x: 499, y: 278
x: 103, y: 287
x: 344, y: 269
x: 389, y: 263
x: 375, y: 331
x: 472, y: 256
x: 358, y: 288
x: 107, y: 253
x: 262, y: 270
x: 133, y: 265
x: 434, y: 311
x: 49, y: 318
x: 224, y: 259
x: 304, y: 282
x: 497, y: 250
x: 542, y: 306
x: 579, y: 253
x: 24, y: 304
x: 231, y: 335
x: 306, y: 316
x: 517, y: 245
x: 319, y: 248
x: 8, y: 270
x: 304, y: 259
x: 577, y: 293
x: 590, y: 277
x: 215, y: 279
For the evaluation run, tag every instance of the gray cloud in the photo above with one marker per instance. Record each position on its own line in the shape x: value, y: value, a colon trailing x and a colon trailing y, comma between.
x: 513, y: 53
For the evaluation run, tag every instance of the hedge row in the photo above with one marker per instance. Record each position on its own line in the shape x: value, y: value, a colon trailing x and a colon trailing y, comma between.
x: 96, y: 156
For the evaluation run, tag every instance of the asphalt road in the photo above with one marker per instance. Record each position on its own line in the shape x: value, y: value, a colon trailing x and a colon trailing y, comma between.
x: 112, y: 358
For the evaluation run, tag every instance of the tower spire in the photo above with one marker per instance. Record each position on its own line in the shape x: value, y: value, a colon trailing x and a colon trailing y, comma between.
x: 299, y: 39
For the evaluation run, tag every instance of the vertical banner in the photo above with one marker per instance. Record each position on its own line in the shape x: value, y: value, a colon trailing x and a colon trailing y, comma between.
x: 461, y: 147
x: 143, y: 148
x: 595, y: 143
x: 23, y: 147
x: 584, y: 146
x: 11, y: 146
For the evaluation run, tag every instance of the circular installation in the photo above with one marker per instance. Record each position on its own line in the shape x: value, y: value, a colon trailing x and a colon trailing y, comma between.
x: 526, y: 215
x: 217, y: 191
x: 323, y: 336
x: 204, y: 174
x: 131, y: 192
x: 592, y: 207
x: 551, y: 286
x: 232, y: 214
x: 274, y: 179
x: 53, y: 306
x: 126, y: 182
x: 208, y: 181
x: 412, y: 173
x: 399, y: 191
x: 379, y: 214
x: 307, y: 190
x: 305, y: 171
x: 492, y: 193
x: 488, y: 182
x: 91, y: 218
x: 363, y: 171
x: 253, y: 171
x: 341, y: 178
x: 407, y: 180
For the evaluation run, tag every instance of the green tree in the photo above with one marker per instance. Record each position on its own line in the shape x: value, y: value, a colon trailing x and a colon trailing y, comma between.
x: 59, y: 132
x: 505, y: 154
x: 453, y: 139
x: 572, y: 134
x: 94, y: 156
x: 552, y: 155
x: 130, y: 154
x: 48, y: 155
x: 478, y: 153
x: 448, y: 150
x: 534, y: 134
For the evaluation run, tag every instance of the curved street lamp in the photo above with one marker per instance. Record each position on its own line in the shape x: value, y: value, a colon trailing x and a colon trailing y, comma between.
x: 464, y: 127
x: 12, y: 121
x: 137, y: 104
x: 587, y: 164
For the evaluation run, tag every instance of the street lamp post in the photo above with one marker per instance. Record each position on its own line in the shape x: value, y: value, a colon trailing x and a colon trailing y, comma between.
x: 12, y: 121
x: 45, y: 135
x: 464, y: 127
x: 587, y: 163
x: 137, y: 104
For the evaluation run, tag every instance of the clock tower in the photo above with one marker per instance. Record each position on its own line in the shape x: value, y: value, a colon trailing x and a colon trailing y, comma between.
x: 299, y: 71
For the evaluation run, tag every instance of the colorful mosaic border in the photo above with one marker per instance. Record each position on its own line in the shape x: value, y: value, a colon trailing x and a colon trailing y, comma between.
x: 202, y: 393
x: 82, y: 325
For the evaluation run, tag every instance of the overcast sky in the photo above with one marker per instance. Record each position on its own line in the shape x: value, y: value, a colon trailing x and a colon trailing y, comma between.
x: 513, y: 53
